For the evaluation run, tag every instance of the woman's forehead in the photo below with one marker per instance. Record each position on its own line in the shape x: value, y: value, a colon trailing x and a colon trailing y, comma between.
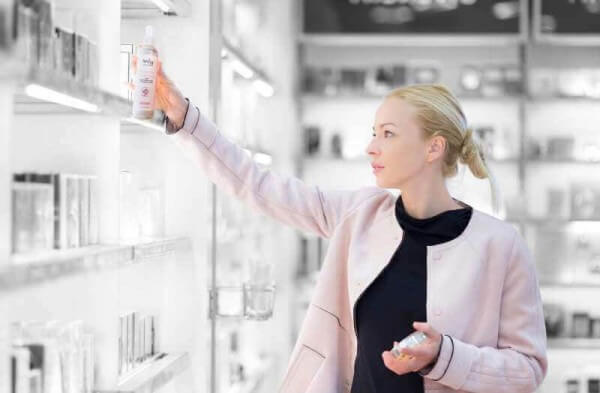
x: 395, y: 111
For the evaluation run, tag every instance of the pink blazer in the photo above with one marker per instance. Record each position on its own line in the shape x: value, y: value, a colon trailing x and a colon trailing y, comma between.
x: 482, y: 287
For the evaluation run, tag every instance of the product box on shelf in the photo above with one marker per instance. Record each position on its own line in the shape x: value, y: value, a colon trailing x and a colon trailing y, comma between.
x: 137, y: 341
x: 53, y: 211
x: 28, y: 25
x: 54, y: 357
x: 32, y: 221
x: 44, y: 10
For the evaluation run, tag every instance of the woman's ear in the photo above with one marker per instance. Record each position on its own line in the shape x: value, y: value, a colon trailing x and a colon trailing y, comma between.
x: 437, y: 147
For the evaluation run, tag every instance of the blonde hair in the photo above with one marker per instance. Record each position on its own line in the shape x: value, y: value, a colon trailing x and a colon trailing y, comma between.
x: 440, y: 114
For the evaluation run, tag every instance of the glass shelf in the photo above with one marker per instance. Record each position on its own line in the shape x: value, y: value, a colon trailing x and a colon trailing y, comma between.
x: 310, y: 97
x: 544, y: 161
x: 575, y: 284
x: 408, y: 40
x: 574, y: 343
x: 566, y: 100
x: 152, y: 376
x: 32, y: 268
x: 139, y: 9
x: 550, y: 221
x: 93, y: 99
x: 84, y: 98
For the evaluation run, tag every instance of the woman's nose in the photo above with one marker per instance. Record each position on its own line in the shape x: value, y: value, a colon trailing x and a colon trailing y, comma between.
x: 372, y: 149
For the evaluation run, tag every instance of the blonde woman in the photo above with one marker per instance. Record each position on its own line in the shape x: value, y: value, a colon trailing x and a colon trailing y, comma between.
x: 420, y: 261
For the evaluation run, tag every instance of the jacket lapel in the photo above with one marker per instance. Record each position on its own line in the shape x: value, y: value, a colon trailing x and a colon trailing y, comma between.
x: 382, y: 241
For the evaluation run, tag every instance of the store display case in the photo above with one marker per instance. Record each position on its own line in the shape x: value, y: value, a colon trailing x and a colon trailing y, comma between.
x: 380, y: 23
x: 566, y: 22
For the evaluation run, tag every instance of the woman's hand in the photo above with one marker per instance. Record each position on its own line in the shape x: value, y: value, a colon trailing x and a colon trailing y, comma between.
x: 167, y: 97
x: 418, y: 357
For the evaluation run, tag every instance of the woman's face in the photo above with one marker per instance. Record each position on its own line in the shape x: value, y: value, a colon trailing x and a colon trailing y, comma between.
x: 397, y: 144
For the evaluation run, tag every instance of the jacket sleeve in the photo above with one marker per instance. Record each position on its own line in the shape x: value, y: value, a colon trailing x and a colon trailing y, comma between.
x: 519, y: 362
x: 286, y: 199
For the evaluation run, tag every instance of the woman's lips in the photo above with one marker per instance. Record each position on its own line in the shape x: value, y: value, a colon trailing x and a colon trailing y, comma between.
x: 377, y: 168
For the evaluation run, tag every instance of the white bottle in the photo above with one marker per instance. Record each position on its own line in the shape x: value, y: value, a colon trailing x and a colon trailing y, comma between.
x: 145, y: 77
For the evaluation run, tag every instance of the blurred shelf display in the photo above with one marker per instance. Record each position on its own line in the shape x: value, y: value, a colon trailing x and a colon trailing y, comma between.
x: 574, y: 343
x: 32, y: 268
x: 254, y: 378
x: 153, y: 375
x: 562, y: 100
x: 309, y: 98
x: 247, y: 69
x: 147, y: 249
x: 551, y: 220
x: 541, y: 161
x: 138, y: 9
x: 407, y: 40
x: 554, y: 284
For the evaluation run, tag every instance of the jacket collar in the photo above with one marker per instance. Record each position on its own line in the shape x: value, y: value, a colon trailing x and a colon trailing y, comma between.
x: 397, y: 229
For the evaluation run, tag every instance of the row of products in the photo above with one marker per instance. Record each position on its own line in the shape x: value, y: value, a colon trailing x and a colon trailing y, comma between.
x: 53, y: 47
x: 570, y: 83
x: 563, y: 148
x: 475, y: 80
x: 579, y: 202
x: 491, y: 80
x: 497, y: 143
x: 137, y: 341
x: 584, y: 379
x: 53, y: 211
x: 52, y: 357
x: 583, y: 325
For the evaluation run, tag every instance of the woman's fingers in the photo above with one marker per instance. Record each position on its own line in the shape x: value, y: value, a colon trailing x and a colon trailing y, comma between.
x: 425, y: 328
x: 418, y: 351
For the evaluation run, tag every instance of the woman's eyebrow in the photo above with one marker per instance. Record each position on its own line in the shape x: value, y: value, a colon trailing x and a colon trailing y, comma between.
x: 385, y: 124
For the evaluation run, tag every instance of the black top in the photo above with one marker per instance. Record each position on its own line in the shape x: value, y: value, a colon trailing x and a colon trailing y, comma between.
x: 385, y: 311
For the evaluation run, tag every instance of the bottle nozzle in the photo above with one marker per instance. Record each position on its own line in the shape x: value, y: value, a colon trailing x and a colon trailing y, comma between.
x: 149, y: 35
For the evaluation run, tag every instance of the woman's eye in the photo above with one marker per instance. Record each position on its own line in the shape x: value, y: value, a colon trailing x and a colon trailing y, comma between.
x: 388, y: 132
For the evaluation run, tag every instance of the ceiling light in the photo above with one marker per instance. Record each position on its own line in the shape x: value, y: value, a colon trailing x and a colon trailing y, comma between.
x: 146, y: 123
x: 263, y: 88
x: 164, y: 7
x: 241, y: 68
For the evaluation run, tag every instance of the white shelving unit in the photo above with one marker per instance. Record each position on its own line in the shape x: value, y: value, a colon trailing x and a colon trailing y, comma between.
x: 98, y: 283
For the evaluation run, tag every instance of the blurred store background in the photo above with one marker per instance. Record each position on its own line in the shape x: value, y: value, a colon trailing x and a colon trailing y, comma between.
x: 122, y: 268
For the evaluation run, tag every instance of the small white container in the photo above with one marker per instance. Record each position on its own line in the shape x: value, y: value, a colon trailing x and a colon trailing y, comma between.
x: 412, y: 340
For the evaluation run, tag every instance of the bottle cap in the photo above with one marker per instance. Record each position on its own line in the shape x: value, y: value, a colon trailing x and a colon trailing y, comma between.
x: 149, y: 35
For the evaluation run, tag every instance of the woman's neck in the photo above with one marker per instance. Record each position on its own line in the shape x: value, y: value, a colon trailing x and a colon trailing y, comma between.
x: 427, y: 200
